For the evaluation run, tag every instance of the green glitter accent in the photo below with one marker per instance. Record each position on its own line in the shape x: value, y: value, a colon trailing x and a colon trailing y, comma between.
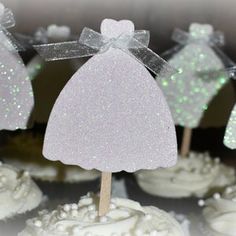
x: 230, y: 133
x: 222, y: 80
x: 164, y: 83
x: 38, y: 66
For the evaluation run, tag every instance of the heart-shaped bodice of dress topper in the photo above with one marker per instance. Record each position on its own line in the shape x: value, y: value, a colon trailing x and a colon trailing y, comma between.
x: 111, y: 115
x: 201, y: 75
x: 16, y: 95
x: 113, y: 29
x: 201, y: 31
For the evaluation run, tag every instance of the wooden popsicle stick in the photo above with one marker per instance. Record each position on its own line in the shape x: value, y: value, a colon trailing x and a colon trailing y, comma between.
x: 105, y: 193
x: 186, y: 142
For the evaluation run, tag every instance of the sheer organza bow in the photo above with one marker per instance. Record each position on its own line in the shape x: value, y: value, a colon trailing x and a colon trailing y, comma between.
x: 91, y: 43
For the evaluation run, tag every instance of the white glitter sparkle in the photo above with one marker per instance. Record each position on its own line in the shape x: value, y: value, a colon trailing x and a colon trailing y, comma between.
x: 230, y: 133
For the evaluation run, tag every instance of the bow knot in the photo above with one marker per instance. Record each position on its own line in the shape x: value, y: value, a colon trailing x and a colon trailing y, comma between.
x: 97, y: 41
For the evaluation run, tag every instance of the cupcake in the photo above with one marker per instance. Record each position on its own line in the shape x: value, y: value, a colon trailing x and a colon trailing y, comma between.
x: 125, y: 217
x: 219, y: 213
x: 18, y: 192
x: 196, y: 175
x: 25, y: 152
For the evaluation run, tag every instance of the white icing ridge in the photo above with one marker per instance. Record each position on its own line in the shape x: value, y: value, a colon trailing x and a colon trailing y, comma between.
x: 18, y: 192
x: 25, y: 152
x: 196, y: 175
x: 183, y: 221
x: 125, y: 218
x: 220, y: 212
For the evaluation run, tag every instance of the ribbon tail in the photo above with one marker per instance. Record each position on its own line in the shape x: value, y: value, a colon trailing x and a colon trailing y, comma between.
x: 179, y: 36
x: 63, y: 51
x: 169, y: 53
x: 11, y: 43
x: 25, y: 40
x: 224, y: 58
x: 152, y: 61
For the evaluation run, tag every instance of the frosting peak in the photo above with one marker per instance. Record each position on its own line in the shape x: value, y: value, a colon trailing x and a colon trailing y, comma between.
x: 18, y: 193
x: 220, y: 212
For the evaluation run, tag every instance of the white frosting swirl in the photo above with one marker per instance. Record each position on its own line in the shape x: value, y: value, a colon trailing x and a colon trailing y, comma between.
x: 25, y: 152
x: 18, y: 193
x: 220, y: 212
x: 125, y: 218
x: 196, y: 175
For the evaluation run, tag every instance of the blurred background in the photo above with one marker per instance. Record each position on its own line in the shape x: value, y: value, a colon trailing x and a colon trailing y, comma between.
x: 158, y: 16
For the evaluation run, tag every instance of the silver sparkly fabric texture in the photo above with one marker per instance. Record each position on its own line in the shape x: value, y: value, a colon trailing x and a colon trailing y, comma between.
x: 16, y: 96
x: 230, y: 133
x: 190, y: 92
x: 111, y: 116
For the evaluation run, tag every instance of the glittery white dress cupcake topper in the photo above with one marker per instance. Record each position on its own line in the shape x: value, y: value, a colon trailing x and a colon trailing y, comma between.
x: 111, y: 115
x: 16, y: 96
x: 202, y: 74
x: 230, y: 133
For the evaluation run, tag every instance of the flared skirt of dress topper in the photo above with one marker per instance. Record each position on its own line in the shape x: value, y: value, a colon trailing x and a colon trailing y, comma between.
x: 111, y: 115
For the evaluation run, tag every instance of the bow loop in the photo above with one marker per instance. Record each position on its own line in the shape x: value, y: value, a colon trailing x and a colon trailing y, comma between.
x: 142, y: 36
x: 92, y: 39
